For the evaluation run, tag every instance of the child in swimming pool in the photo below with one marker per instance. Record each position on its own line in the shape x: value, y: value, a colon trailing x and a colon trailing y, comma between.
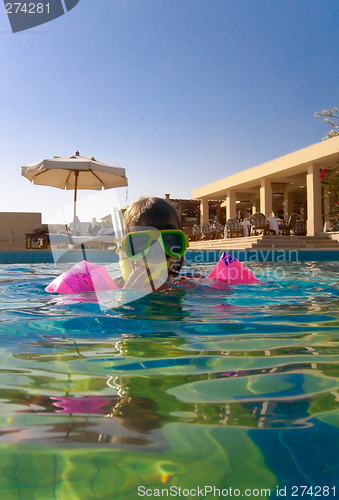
x: 151, y: 251
x: 150, y: 222
x: 151, y: 256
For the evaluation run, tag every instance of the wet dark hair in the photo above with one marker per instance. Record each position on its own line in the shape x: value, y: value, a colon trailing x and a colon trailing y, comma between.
x: 154, y: 212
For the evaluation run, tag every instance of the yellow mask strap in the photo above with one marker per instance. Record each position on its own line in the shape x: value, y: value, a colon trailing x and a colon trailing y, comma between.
x: 159, y: 268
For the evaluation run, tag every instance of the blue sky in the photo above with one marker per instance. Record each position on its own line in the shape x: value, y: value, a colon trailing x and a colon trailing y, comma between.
x: 178, y: 92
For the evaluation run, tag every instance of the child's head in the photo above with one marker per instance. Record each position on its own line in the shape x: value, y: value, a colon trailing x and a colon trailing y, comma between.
x: 159, y: 214
x: 154, y: 212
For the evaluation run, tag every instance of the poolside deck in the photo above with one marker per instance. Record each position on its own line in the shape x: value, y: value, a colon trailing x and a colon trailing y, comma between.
x: 253, y: 248
x: 320, y: 242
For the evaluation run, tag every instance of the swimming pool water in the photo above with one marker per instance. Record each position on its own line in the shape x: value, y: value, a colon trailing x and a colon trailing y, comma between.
x: 234, y: 389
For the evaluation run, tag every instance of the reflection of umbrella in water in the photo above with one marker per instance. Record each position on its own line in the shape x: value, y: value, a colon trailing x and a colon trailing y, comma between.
x: 75, y: 172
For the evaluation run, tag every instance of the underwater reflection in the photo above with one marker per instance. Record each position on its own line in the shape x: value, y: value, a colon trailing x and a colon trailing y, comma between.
x: 130, y: 410
x: 116, y: 421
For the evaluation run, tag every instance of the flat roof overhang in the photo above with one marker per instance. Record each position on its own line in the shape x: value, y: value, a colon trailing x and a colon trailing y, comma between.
x: 282, y: 170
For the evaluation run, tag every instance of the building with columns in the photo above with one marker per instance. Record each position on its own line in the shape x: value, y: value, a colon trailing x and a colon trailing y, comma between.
x: 282, y: 186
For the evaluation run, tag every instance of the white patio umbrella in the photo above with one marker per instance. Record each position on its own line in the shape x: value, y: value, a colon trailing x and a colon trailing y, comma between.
x: 75, y: 172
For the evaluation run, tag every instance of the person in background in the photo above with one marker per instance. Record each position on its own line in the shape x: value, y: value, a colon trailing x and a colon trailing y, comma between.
x: 93, y: 227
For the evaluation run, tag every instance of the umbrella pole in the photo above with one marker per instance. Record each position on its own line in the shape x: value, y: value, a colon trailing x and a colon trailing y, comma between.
x: 76, y: 174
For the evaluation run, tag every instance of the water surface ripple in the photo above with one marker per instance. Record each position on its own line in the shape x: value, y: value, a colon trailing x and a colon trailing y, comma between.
x: 234, y: 388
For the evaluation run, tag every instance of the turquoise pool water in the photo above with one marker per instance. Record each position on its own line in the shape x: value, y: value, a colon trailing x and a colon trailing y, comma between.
x: 188, y: 392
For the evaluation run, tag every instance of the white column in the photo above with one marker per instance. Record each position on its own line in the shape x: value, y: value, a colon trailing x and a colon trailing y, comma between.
x: 266, y: 197
x: 231, y: 209
x: 313, y: 185
x: 204, y: 211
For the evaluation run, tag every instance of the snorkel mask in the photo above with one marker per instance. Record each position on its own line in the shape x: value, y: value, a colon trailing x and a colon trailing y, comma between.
x: 138, y: 243
x: 148, y: 247
x: 152, y: 246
